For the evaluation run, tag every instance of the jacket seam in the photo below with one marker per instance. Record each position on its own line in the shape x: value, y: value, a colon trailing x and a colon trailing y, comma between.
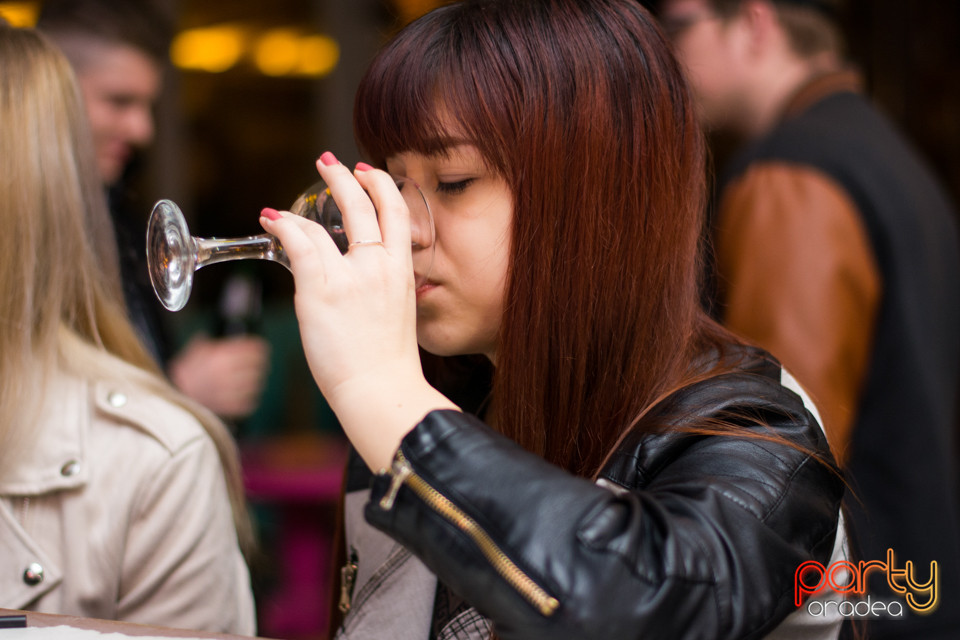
x: 785, y: 490
x: 137, y: 510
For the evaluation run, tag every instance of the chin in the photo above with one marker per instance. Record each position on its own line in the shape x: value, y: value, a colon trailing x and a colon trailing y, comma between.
x: 110, y: 173
x: 434, y: 341
x: 434, y: 348
x: 440, y: 341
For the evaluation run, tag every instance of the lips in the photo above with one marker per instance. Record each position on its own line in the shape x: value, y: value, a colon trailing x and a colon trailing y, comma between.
x: 116, y: 154
x: 122, y: 153
x: 425, y: 287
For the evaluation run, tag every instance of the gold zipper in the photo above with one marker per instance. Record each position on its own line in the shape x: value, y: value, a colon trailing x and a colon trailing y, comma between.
x: 348, y: 577
x: 403, y: 473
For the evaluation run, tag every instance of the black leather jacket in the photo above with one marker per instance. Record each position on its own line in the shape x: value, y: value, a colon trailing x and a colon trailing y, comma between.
x: 685, y: 536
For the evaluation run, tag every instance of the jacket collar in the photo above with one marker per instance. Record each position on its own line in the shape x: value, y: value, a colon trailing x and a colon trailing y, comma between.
x: 57, y: 457
x: 819, y: 87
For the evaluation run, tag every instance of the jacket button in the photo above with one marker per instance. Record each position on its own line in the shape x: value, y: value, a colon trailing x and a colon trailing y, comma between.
x: 70, y: 468
x: 117, y: 399
x: 33, y: 574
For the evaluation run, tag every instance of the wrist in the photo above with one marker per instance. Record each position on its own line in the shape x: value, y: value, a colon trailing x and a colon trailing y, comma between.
x: 378, y: 409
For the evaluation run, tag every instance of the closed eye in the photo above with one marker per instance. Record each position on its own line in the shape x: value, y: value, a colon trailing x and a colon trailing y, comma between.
x: 454, y: 188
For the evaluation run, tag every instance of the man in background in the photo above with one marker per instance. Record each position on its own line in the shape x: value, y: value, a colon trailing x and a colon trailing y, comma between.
x: 119, y: 51
x: 837, y: 251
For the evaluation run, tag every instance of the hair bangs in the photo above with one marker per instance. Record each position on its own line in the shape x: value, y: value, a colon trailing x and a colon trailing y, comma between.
x: 395, y: 109
x: 406, y: 98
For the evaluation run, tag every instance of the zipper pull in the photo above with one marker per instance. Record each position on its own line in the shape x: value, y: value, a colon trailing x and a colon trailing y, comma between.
x: 348, y: 577
x: 401, y: 470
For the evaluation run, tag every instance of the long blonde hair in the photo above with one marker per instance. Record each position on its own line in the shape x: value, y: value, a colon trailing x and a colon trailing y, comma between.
x: 61, y: 303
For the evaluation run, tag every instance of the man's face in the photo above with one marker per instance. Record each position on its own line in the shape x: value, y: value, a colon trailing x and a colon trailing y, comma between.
x: 120, y: 86
x: 713, y: 51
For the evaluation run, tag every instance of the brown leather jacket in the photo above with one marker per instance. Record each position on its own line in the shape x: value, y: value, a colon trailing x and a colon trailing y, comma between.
x: 798, y: 277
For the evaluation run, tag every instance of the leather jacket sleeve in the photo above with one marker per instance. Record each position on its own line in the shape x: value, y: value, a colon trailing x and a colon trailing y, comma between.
x: 704, y: 544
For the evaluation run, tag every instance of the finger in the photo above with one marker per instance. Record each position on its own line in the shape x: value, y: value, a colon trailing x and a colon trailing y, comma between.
x: 309, y: 248
x: 317, y: 234
x: 359, y: 214
x: 392, y: 210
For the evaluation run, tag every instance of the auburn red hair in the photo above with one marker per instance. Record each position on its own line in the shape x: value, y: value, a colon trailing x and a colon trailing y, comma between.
x: 583, y: 110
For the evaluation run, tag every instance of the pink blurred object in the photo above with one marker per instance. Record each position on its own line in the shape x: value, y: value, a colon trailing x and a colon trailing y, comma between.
x: 301, y: 477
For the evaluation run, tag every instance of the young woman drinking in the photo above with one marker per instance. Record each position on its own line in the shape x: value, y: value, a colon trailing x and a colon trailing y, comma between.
x: 636, y: 471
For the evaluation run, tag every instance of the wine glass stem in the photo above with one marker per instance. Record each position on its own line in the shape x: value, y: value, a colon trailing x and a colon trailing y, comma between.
x: 260, y: 247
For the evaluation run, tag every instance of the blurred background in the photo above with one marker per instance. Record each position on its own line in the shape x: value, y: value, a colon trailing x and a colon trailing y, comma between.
x: 256, y: 91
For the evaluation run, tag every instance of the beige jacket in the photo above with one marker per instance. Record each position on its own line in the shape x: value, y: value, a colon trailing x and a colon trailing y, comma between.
x: 122, y: 513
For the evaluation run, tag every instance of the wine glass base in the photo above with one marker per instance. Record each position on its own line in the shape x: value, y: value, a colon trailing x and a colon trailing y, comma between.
x: 171, y: 255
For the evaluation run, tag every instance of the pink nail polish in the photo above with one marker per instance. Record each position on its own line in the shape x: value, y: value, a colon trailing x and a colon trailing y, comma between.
x: 363, y: 166
x: 270, y: 214
x: 328, y: 159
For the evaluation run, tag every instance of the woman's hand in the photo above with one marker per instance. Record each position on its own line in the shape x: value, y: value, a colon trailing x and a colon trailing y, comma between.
x: 357, y: 311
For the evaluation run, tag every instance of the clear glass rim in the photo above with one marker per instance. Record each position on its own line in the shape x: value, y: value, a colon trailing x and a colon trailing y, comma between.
x: 168, y: 236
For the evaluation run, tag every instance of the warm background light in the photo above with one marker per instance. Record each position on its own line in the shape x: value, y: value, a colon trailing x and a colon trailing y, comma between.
x: 277, y: 52
x: 318, y: 55
x: 221, y: 47
x: 20, y: 14
x: 212, y: 49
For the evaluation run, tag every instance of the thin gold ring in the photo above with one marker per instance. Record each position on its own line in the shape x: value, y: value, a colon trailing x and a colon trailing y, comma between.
x: 363, y: 242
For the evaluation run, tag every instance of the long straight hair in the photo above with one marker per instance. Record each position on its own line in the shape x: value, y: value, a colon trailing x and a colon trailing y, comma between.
x: 61, y: 304
x: 582, y: 109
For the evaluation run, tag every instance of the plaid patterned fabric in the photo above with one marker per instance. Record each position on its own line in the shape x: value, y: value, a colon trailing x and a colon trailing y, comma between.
x: 454, y: 619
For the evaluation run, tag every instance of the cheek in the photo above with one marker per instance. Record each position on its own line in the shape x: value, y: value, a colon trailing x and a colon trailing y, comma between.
x: 103, y: 119
x: 698, y: 70
x: 704, y: 56
x: 484, y: 286
x: 464, y: 316
x: 482, y: 256
x: 709, y: 85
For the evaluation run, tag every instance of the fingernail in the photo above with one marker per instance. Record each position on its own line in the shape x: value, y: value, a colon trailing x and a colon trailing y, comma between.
x: 328, y: 159
x: 362, y: 166
x: 270, y: 214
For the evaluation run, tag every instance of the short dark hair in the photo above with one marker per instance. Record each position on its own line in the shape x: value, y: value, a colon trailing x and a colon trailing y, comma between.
x: 813, y: 26
x: 140, y: 24
x: 828, y: 8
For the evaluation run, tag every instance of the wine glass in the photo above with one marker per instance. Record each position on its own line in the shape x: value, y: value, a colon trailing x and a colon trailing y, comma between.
x: 173, y: 254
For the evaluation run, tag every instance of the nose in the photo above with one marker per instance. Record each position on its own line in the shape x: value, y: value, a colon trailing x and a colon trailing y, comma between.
x: 422, y: 232
x: 138, y: 125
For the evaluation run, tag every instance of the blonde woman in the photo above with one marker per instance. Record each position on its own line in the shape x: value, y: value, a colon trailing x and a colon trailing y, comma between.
x: 119, y: 498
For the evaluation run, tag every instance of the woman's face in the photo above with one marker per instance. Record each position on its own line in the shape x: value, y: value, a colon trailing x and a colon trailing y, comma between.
x: 460, y: 306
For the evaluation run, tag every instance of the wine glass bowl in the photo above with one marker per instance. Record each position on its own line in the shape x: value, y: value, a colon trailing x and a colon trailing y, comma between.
x: 316, y: 204
x: 173, y: 254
